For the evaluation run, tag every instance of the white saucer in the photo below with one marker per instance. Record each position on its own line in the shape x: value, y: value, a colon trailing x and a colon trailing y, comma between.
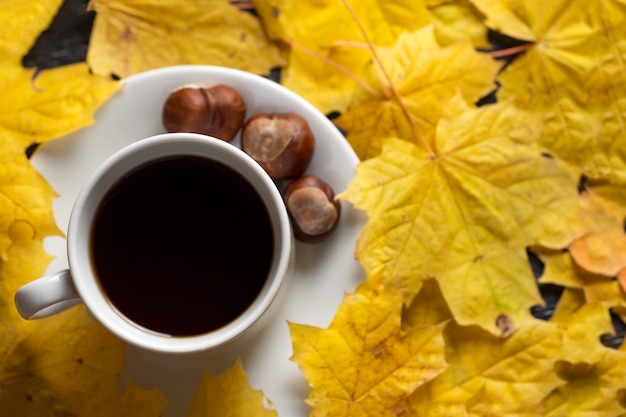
x: 323, y: 272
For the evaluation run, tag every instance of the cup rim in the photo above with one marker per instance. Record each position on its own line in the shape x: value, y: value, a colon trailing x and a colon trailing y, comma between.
x: 152, y: 148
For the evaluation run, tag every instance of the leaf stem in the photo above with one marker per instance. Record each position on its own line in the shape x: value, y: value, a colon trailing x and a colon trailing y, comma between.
x: 242, y: 4
x: 333, y: 64
x: 349, y: 44
x: 503, y: 53
x: 416, y: 130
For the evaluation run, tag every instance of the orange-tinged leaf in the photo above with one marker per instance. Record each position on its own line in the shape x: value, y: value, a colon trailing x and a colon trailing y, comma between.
x: 466, y: 216
x: 68, y: 366
x: 426, y: 77
x: 37, y: 108
x: 580, y: 285
x: 133, y: 36
x: 55, y: 102
x: 364, y: 363
x: 601, y: 253
x: 601, y: 248
x: 602, y: 207
x: 594, y: 258
x: 228, y: 395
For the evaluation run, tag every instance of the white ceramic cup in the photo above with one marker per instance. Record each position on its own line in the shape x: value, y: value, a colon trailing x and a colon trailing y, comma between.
x: 54, y: 293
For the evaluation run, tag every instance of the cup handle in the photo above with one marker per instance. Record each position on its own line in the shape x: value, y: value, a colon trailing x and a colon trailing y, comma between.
x: 46, y: 296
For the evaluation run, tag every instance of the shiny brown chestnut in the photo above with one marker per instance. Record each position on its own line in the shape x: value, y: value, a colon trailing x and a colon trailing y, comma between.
x: 282, y: 143
x: 216, y: 110
x: 312, y: 208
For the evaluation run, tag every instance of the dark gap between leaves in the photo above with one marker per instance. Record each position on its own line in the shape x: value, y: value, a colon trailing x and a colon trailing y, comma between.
x: 65, y: 41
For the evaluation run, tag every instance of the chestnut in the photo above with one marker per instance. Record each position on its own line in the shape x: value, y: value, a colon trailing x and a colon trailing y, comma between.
x: 215, y: 110
x: 282, y: 143
x: 312, y: 208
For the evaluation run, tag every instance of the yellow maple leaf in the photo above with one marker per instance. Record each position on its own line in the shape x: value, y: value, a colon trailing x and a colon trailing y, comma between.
x: 458, y: 20
x: 586, y: 394
x: 466, y: 215
x: 424, y: 77
x: 25, y: 197
x: 597, y: 256
x: 228, y: 395
x: 364, y: 363
x: 23, y: 22
x: 572, y: 71
x: 328, y: 30
x: 570, y: 301
x: 428, y: 308
x: 485, y: 370
x: 581, y: 331
x: 36, y: 107
x: 40, y: 107
x: 133, y: 36
x: 27, y: 260
x: 559, y: 269
x: 67, y: 366
x: 593, y: 375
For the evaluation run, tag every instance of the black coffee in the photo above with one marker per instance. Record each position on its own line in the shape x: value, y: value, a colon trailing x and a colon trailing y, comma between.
x: 182, y: 246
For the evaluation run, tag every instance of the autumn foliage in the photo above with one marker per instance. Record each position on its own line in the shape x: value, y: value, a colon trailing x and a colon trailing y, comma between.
x: 458, y: 191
